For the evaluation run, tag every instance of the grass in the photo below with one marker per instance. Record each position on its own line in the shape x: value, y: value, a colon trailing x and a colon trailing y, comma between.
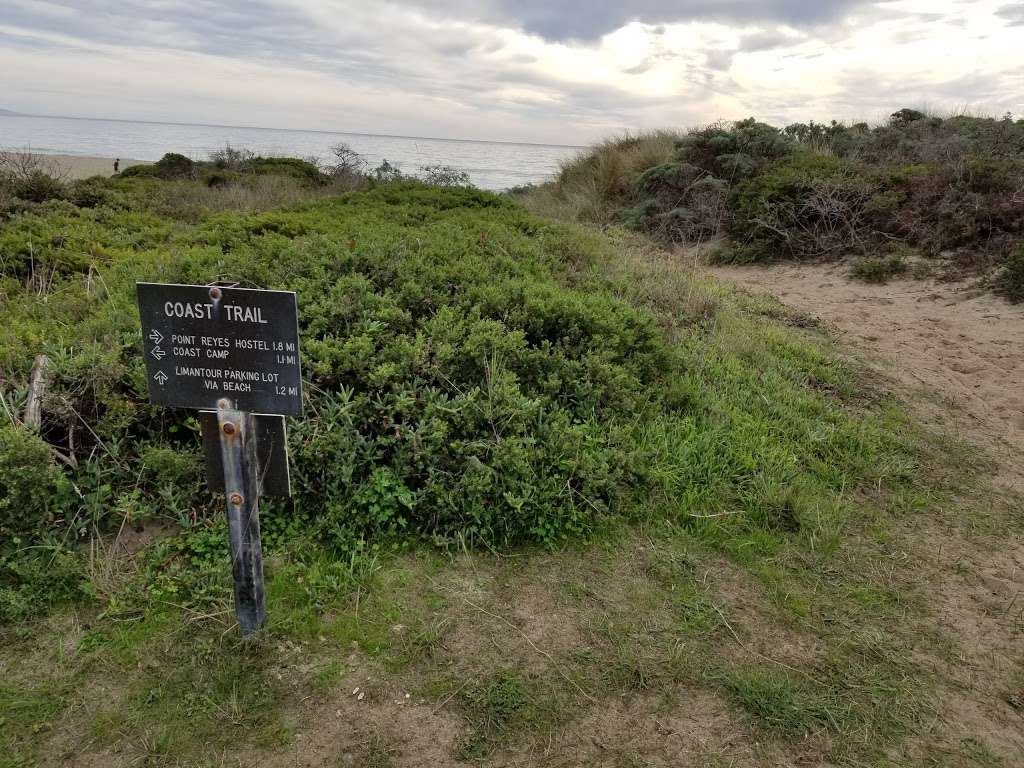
x: 729, y: 501
x: 595, y: 185
x: 785, y: 702
x: 878, y: 269
x: 656, y: 619
x: 500, y: 707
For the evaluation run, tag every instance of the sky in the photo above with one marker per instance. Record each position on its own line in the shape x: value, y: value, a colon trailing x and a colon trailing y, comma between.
x: 557, y: 71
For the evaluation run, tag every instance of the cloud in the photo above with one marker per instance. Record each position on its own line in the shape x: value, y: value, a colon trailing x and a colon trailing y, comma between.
x: 590, y: 19
x: 767, y: 39
x: 567, y: 72
x: 1013, y: 13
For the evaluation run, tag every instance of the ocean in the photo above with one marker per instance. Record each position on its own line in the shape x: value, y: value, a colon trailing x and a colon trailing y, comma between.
x: 490, y: 164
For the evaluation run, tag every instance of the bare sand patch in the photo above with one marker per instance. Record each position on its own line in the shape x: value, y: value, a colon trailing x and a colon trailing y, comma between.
x: 82, y: 167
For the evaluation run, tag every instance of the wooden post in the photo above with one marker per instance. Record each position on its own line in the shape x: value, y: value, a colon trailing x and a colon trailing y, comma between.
x: 241, y: 488
x: 36, y: 390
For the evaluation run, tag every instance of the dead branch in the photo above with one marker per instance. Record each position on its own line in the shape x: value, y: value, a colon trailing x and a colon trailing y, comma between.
x: 36, y: 390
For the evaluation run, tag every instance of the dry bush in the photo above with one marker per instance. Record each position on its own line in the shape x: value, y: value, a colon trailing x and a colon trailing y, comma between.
x: 345, y: 161
x: 232, y: 158
x: 30, y: 178
x: 190, y: 202
x: 23, y: 164
x: 596, y: 184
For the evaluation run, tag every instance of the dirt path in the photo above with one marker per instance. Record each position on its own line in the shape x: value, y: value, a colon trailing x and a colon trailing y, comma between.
x: 956, y: 350
x: 956, y: 354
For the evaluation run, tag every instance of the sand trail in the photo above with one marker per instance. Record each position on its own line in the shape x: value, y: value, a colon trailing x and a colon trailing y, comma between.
x: 957, y: 350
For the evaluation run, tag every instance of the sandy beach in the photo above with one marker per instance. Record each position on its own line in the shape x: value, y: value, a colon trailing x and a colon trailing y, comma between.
x: 82, y: 167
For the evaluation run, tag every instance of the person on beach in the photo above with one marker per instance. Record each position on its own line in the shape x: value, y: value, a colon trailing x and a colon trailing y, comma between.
x: 117, y: 163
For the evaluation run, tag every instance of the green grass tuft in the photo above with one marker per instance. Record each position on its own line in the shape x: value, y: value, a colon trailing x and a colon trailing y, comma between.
x: 878, y: 269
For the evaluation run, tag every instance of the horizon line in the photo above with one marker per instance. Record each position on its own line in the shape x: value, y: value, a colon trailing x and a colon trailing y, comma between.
x: 14, y: 113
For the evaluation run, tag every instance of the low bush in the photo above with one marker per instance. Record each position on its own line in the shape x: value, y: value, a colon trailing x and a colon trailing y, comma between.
x: 95, y: 191
x: 38, y: 187
x: 232, y: 158
x: 345, y: 162
x: 32, y: 488
x: 878, y: 269
x: 175, y: 166
x: 733, y: 152
x: 807, y: 206
x: 1011, y: 279
x: 141, y: 171
x: 36, y: 577
x: 386, y: 173
x: 300, y: 170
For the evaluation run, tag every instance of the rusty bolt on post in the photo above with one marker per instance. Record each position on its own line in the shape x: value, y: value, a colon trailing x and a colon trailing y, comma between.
x: 215, y: 293
x: 236, y: 499
x: 229, y: 428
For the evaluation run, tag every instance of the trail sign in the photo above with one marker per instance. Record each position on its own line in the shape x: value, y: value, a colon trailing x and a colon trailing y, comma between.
x: 233, y: 352
x: 204, y: 344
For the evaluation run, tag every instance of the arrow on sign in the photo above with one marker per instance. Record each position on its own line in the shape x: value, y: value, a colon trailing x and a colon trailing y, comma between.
x: 156, y: 336
x: 157, y: 352
x: 161, y: 378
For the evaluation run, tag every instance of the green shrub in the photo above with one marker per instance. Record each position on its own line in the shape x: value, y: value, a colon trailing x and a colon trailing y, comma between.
x: 675, y: 175
x: 639, y: 217
x: 937, y: 184
x: 904, y: 117
x: 734, y: 152
x: 1011, y: 279
x: 174, y: 166
x: 35, y: 578
x: 171, y: 166
x: 300, y: 170
x: 32, y: 488
x: 141, y: 171
x: 94, y: 192
x: 684, y: 199
x: 167, y: 465
x: 878, y: 269
x: 475, y: 373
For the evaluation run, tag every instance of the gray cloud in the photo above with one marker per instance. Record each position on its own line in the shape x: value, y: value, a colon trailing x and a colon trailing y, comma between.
x: 589, y: 19
x: 765, y: 40
x: 457, y: 67
x: 1013, y: 13
x: 719, y: 59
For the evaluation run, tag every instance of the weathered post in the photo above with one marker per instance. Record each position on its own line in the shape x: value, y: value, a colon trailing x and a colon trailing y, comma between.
x: 233, y: 353
x: 241, y: 491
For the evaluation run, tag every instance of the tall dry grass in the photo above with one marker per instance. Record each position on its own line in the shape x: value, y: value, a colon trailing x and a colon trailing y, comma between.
x: 597, y: 184
x: 188, y: 201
